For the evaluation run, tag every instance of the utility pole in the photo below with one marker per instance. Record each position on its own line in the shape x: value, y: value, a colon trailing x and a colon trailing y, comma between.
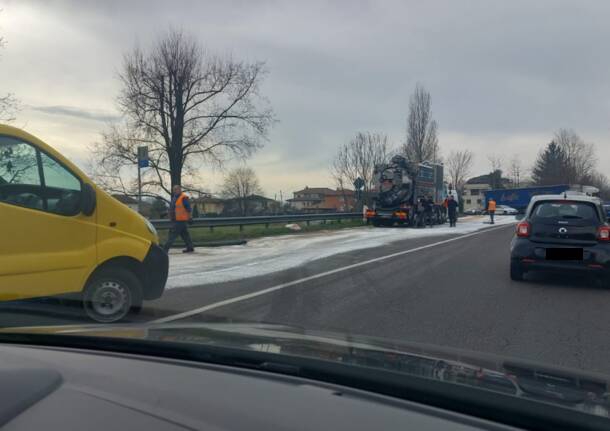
x: 139, y: 190
x: 142, y: 163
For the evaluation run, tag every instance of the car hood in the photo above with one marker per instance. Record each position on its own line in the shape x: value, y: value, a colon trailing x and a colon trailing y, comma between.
x: 583, y: 391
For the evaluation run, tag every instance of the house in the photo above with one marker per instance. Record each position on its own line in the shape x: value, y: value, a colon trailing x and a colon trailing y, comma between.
x: 250, y: 206
x: 127, y: 200
x: 208, y: 205
x: 474, y: 195
x: 475, y: 188
x: 322, y: 199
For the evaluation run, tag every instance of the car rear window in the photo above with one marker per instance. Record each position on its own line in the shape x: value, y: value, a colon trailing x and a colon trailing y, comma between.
x: 564, y: 210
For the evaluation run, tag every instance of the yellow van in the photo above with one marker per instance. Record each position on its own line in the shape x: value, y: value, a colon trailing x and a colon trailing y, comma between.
x: 62, y: 235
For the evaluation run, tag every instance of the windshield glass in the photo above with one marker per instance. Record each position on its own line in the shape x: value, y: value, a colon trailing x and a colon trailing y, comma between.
x: 345, y: 181
x: 550, y: 211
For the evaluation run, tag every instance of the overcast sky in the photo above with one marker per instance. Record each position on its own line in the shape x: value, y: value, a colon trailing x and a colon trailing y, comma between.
x: 503, y: 75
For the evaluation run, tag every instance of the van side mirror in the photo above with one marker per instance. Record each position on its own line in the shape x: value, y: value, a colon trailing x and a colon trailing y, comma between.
x: 520, y: 216
x: 88, y: 199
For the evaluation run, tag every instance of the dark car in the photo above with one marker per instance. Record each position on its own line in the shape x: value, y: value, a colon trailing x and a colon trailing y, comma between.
x: 562, y: 233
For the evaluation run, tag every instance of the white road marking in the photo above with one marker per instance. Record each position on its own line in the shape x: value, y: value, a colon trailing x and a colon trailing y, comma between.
x: 314, y: 277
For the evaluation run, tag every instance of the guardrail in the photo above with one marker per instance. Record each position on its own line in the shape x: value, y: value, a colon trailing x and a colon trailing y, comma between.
x: 213, y: 222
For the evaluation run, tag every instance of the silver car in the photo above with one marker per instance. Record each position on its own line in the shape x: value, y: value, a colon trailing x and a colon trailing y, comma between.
x: 505, y: 210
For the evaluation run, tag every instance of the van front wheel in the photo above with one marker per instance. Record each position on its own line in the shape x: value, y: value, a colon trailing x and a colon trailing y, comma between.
x: 111, y: 294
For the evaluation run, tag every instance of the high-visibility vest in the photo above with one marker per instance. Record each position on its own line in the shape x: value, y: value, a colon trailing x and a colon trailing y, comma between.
x: 181, y: 212
x: 491, y: 206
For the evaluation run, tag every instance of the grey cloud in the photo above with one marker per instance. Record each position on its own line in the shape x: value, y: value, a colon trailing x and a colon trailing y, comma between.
x: 71, y: 111
x: 494, y: 68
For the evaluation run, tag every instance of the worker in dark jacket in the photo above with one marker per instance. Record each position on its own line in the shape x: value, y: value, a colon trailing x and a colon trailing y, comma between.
x: 452, y: 207
x: 180, y: 213
x: 428, y: 208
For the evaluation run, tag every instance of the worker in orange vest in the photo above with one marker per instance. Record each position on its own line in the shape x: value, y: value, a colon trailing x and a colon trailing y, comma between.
x: 491, y: 209
x: 180, y: 213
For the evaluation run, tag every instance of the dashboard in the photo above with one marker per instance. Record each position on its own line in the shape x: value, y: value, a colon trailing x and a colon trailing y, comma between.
x: 55, y: 388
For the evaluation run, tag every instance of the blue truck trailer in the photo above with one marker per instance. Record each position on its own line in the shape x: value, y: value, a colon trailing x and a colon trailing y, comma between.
x: 519, y: 199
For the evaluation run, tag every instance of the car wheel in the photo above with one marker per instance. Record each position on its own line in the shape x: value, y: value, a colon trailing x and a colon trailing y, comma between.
x: 111, y: 295
x: 516, y: 271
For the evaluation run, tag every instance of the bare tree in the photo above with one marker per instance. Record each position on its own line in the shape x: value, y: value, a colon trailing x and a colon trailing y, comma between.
x: 516, y: 170
x: 422, y: 141
x: 496, y: 162
x: 189, y: 107
x: 240, y: 184
x: 580, y: 156
x: 459, y: 164
x: 9, y: 105
x: 495, y: 176
x: 357, y: 159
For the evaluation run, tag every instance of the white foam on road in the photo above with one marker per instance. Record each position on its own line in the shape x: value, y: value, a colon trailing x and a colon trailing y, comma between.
x: 271, y: 254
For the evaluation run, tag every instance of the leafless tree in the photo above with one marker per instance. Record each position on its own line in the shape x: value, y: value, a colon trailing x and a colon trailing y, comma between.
x: 516, y: 170
x: 191, y: 108
x: 240, y: 184
x: 459, y: 164
x: 9, y: 105
x: 496, y: 162
x: 422, y: 141
x: 495, y: 176
x: 357, y: 159
x: 581, y: 158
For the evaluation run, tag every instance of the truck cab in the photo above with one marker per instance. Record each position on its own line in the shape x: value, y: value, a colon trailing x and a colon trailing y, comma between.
x: 64, y: 236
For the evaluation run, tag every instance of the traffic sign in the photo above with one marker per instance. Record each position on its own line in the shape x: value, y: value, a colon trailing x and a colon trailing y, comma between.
x: 358, y: 183
x: 143, y: 161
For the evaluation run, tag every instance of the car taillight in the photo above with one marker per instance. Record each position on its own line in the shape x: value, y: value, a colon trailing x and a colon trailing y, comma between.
x: 370, y: 213
x: 603, y: 233
x: 524, y: 229
x: 400, y: 214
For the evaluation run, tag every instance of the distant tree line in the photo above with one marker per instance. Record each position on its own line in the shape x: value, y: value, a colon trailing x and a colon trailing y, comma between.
x: 567, y: 159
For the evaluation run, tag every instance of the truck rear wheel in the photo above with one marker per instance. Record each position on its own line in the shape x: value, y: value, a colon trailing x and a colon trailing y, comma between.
x: 111, y: 295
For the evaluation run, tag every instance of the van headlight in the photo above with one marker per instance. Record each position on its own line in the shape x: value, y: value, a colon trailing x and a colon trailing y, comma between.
x: 150, y: 227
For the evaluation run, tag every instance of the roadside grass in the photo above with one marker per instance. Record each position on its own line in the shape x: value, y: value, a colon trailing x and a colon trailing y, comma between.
x: 228, y: 233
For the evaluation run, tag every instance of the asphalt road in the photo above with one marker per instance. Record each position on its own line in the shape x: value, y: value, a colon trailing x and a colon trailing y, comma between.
x: 450, y: 291
x: 455, y: 294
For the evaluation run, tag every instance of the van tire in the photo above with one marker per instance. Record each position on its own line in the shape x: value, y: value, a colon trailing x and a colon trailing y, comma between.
x: 120, y: 290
